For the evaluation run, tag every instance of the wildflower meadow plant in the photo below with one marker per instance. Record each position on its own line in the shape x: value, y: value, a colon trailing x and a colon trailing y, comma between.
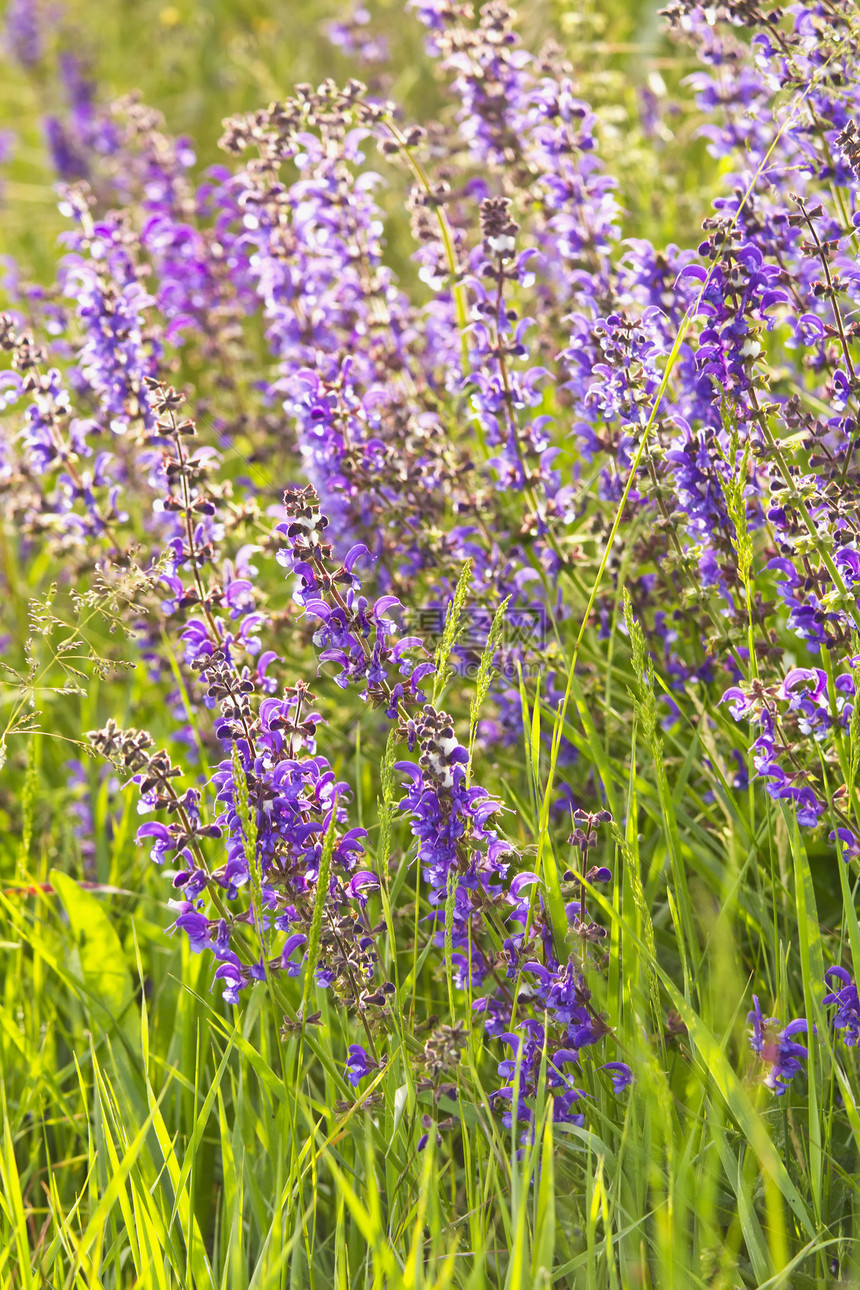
x: 431, y: 615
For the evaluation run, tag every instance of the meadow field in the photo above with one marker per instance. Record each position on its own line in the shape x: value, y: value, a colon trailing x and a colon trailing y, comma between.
x: 429, y: 613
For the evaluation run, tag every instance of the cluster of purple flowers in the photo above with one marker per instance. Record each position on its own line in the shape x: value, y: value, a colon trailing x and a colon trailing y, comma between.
x: 802, y: 707
x: 533, y: 376
x: 777, y: 1047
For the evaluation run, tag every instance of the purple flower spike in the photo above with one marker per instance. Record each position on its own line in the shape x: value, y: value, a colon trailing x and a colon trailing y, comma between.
x: 23, y: 32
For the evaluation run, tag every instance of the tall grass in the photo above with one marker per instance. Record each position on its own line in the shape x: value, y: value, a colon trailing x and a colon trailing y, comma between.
x: 153, y: 1136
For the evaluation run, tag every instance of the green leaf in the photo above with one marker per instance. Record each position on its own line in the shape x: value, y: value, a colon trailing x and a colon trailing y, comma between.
x: 103, y: 967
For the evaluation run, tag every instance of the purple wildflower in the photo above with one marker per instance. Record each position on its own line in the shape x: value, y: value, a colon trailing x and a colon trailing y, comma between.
x: 779, y: 1052
x: 847, y: 1014
x: 359, y: 1064
x: 23, y: 34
